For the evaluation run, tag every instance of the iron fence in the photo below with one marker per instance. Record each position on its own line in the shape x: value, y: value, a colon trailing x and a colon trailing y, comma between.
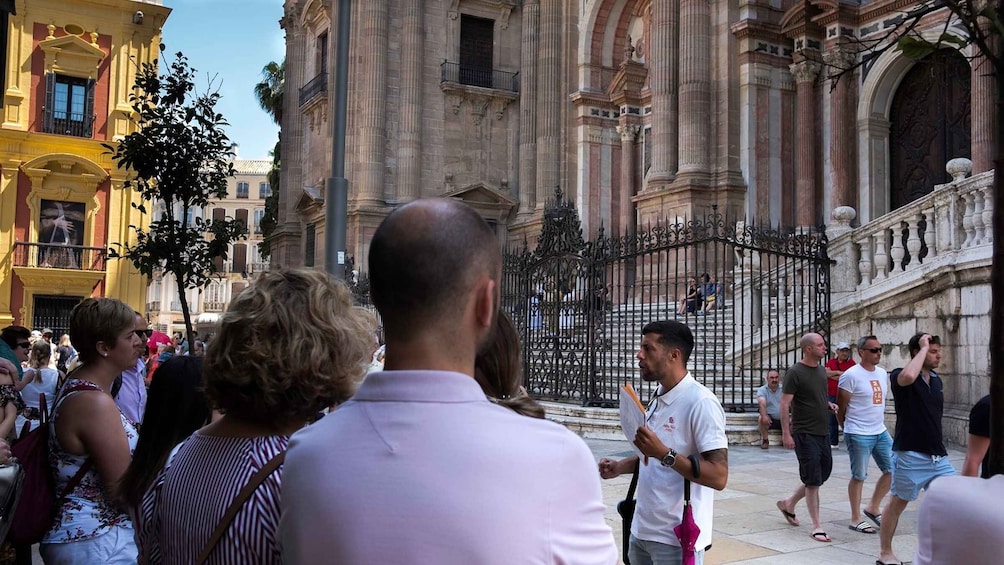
x: 747, y: 292
x: 484, y: 77
x: 313, y: 89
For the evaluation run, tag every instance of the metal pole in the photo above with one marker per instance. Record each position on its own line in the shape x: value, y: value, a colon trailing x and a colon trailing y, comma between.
x: 337, y: 187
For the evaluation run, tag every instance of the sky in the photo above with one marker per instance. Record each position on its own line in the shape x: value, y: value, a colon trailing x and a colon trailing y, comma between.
x: 230, y: 41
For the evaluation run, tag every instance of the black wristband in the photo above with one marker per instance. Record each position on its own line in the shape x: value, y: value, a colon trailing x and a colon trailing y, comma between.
x: 695, y: 463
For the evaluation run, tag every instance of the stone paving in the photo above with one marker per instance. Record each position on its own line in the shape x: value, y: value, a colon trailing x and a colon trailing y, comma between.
x: 748, y: 527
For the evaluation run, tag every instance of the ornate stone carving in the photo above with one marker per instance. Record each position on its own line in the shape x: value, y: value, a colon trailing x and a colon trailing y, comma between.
x: 805, y: 71
x: 498, y: 106
x: 838, y: 60
x: 479, y: 107
x: 453, y: 102
x: 959, y: 168
x: 628, y: 132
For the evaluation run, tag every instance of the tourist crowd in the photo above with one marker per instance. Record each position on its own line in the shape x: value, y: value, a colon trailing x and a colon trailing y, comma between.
x: 295, y: 436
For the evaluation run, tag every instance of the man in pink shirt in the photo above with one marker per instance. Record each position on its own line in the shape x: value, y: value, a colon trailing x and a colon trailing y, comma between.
x: 419, y: 467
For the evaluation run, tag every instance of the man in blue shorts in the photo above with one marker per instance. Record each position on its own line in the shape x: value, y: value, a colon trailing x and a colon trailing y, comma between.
x: 861, y: 411
x: 919, y: 454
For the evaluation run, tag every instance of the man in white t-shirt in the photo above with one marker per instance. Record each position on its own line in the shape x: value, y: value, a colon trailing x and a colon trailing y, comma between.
x: 861, y: 411
x: 684, y: 437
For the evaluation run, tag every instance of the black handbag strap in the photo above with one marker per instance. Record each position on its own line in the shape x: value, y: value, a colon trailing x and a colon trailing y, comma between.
x: 634, y: 481
x: 695, y: 464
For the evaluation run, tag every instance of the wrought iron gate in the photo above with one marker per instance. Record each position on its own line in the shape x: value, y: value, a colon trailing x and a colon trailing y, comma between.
x: 580, y: 305
x: 53, y: 312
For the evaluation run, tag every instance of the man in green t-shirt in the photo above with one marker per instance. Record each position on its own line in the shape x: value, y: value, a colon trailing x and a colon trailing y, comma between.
x: 804, y: 393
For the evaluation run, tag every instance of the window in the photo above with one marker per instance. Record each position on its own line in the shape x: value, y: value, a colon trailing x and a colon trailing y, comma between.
x: 240, y: 259
x: 242, y: 217
x: 243, y: 190
x: 309, y: 242
x: 69, y: 105
x: 322, y: 53
x: 264, y: 190
x: 477, y: 44
x: 259, y: 213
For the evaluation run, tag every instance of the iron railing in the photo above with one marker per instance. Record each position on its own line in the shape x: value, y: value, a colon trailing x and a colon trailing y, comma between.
x: 581, y: 305
x: 59, y: 256
x: 484, y: 77
x: 316, y: 87
x: 67, y: 123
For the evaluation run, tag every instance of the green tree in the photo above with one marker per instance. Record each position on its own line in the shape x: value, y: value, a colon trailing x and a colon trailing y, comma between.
x: 984, y: 27
x: 269, y: 94
x: 178, y: 158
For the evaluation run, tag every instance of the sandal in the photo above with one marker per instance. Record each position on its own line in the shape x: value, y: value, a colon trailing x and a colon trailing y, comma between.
x: 820, y: 536
x: 863, y: 527
x: 765, y: 444
x: 789, y: 516
x: 877, y: 518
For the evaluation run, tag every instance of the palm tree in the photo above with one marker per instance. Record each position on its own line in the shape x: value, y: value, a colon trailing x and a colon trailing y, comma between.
x: 269, y: 94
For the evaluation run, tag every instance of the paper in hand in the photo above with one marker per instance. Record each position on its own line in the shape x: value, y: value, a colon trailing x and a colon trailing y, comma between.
x: 632, y: 414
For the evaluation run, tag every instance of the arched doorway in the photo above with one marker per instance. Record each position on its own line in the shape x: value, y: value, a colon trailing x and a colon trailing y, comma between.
x: 930, y: 125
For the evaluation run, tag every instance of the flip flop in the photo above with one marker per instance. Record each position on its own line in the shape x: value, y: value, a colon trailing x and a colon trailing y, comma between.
x: 877, y: 518
x: 789, y: 516
x: 765, y: 444
x: 877, y: 562
x: 863, y: 527
x: 820, y: 536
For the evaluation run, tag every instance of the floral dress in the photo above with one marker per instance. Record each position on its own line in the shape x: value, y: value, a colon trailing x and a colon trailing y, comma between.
x: 8, y: 395
x: 86, y: 512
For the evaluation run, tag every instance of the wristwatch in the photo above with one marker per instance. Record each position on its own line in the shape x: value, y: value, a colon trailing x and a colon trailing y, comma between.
x: 669, y: 459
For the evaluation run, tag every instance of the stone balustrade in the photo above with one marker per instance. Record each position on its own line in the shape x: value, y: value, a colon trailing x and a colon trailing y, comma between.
x: 949, y: 228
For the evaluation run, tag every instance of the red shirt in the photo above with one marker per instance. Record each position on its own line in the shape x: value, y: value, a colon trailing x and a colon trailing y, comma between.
x: 836, y: 365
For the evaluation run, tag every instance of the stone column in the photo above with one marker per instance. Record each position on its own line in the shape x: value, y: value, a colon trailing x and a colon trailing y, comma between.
x: 842, y: 120
x: 805, y: 161
x: 549, y: 101
x: 626, y: 217
x: 695, y: 86
x: 8, y: 205
x: 528, y: 107
x: 410, y: 137
x: 372, y: 132
x: 984, y: 109
x: 286, y: 237
x: 662, y: 52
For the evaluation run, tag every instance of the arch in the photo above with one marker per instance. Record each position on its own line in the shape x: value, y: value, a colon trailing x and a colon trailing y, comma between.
x: 66, y: 161
x: 874, y: 104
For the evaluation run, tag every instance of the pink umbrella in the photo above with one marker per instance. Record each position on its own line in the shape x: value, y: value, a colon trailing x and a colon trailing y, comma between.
x: 687, y: 531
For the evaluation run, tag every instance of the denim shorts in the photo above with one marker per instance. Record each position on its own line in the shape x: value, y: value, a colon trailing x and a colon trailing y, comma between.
x: 642, y: 552
x: 860, y: 447
x: 912, y: 471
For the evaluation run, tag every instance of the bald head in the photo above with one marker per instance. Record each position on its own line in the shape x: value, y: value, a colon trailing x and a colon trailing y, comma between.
x: 813, y: 348
x: 425, y: 258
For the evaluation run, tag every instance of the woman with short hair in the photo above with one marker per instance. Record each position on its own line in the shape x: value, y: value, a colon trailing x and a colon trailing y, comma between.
x: 91, y: 442
x: 288, y: 346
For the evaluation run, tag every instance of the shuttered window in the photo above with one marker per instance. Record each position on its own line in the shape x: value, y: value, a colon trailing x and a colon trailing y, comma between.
x: 69, y: 105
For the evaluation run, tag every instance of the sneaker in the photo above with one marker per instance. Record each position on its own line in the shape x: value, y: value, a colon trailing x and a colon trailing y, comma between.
x: 835, y: 446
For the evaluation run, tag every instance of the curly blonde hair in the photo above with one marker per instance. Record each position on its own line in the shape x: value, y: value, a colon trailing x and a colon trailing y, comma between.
x: 288, y: 346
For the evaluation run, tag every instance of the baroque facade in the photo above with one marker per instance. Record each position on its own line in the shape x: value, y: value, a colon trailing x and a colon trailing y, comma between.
x: 245, y: 201
x: 648, y: 111
x: 68, y: 67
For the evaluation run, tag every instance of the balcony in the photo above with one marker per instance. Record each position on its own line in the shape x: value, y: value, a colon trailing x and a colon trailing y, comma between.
x: 213, y: 306
x: 479, y: 77
x: 59, y: 256
x: 316, y: 88
x: 153, y: 306
x: 63, y: 123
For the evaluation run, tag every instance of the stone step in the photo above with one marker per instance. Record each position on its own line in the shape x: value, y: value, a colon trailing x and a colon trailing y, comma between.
x: 604, y: 423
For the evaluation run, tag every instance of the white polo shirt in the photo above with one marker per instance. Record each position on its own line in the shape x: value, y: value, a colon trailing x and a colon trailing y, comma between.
x: 690, y: 419
x: 866, y: 409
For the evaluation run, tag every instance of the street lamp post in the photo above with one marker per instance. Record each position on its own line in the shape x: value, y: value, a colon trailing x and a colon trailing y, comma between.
x: 336, y: 195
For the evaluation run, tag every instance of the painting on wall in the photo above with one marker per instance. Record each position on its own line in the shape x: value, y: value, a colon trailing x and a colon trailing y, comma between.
x: 60, y: 234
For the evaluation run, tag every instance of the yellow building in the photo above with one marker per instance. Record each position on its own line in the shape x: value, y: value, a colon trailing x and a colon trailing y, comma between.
x: 69, y: 66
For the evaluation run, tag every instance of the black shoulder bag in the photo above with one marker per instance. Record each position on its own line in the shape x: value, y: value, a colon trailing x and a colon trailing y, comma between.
x: 626, y: 509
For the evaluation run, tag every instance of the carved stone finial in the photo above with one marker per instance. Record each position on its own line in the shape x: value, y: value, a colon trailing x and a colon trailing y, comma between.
x: 959, y: 168
x: 628, y: 50
x: 94, y: 38
x: 52, y: 31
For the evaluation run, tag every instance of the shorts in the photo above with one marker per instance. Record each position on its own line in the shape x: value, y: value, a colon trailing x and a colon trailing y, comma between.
x: 116, y: 546
x: 860, y: 447
x: 912, y: 471
x: 815, y: 460
x: 775, y: 423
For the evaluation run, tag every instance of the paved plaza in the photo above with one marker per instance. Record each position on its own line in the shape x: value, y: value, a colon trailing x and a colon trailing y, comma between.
x: 750, y: 529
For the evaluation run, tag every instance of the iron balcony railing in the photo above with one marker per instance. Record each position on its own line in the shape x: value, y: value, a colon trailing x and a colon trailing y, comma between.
x: 213, y: 306
x: 483, y: 77
x: 67, y: 123
x: 316, y: 87
x: 59, y: 256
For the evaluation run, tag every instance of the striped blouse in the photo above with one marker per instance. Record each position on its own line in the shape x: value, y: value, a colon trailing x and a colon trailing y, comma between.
x: 187, y: 500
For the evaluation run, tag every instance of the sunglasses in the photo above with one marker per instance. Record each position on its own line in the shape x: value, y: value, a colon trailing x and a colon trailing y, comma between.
x: 24, y: 345
x: 144, y: 333
x: 873, y: 349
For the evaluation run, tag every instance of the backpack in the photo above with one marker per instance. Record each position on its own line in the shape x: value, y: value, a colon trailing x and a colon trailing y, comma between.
x: 37, y: 507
